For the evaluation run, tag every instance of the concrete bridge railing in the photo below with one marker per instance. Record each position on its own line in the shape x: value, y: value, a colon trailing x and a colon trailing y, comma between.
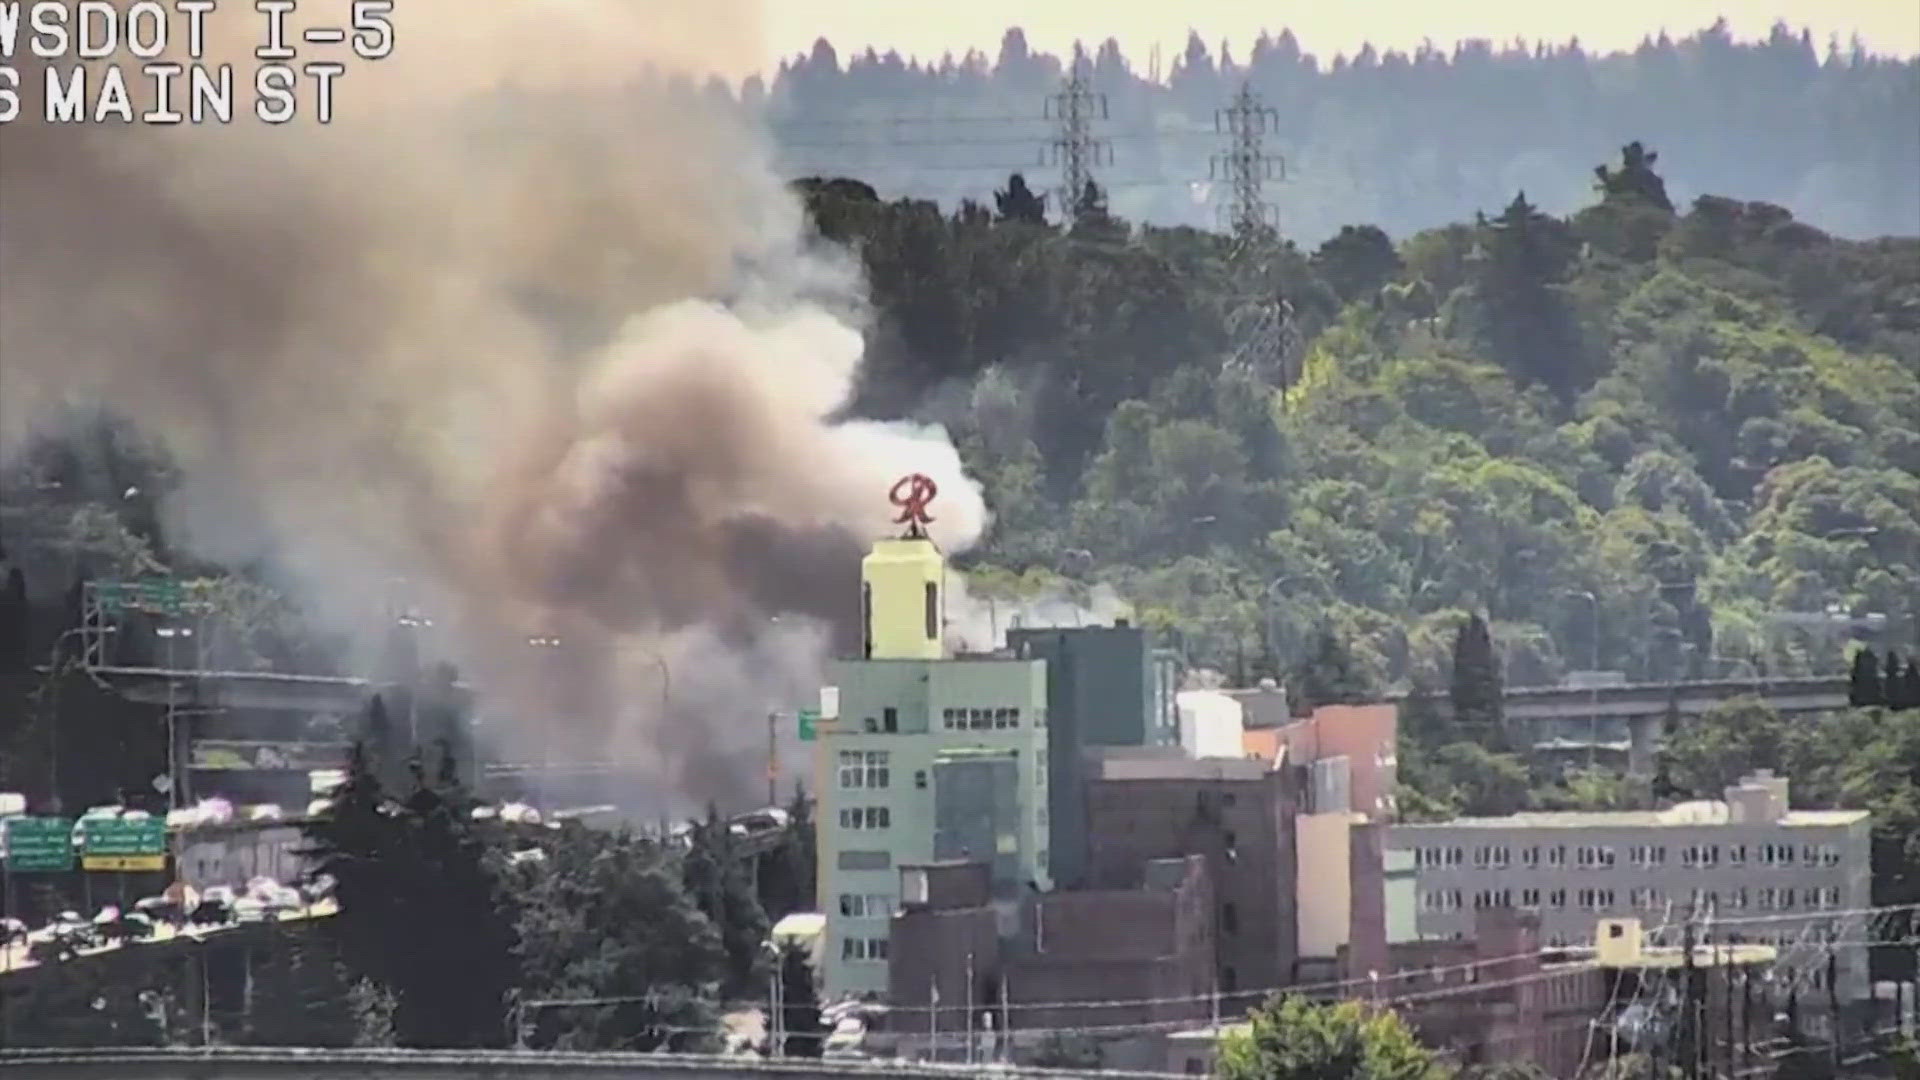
x: 261, y: 1063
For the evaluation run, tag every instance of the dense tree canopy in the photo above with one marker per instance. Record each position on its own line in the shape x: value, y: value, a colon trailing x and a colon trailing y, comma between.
x: 1634, y: 439
x: 1292, y: 1038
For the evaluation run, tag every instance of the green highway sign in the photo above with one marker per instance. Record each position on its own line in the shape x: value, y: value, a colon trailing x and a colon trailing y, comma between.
x: 808, y: 718
x: 119, y: 844
x: 167, y: 596
x: 39, y: 845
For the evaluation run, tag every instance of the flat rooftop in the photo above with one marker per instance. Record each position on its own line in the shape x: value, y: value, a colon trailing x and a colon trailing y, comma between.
x: 1680, y: 815
x: 1668, y: 956
x: 1178, y: 768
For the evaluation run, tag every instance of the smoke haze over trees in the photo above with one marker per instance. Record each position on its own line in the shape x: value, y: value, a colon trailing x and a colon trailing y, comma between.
x: 1404, y: 142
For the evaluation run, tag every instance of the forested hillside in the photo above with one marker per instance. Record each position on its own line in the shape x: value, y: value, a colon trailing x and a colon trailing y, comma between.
x: 1403, y: 141
x: 1667, y: 426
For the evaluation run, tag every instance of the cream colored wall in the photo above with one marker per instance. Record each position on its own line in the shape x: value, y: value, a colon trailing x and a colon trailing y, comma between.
x: 1324, y: 906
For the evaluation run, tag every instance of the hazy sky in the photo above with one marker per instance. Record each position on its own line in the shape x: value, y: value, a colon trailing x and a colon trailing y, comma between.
x: 929, y: 27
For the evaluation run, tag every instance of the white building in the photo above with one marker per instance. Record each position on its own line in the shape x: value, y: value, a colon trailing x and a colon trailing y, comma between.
x: 1766, y: 874
x: 1211, y: 724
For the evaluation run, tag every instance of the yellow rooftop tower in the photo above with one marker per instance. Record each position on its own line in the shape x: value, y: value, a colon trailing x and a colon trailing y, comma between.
x: 903, y: 584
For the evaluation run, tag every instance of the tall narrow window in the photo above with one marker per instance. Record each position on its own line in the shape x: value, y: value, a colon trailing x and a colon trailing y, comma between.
x: 866, y: 618
x: 933, y: 611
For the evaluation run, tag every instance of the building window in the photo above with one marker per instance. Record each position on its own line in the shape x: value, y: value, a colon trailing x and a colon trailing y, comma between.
x: 1736, y: 854
x: 865, y: 817
x: 1829, y: 855
x: 933, y: 612
x: 1530, y: 898
x: 1454, y: 856
x: 890, y: 719
x: 863, y: 769
x: 1530, y: 857
x: 866, y: 905
x: 863, y: 948
x: 1557, y: 855
x: 920, y: 779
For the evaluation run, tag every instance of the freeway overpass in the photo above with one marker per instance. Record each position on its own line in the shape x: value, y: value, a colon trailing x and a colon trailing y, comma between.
x: 1630, y: 718
x: 288, y: 1064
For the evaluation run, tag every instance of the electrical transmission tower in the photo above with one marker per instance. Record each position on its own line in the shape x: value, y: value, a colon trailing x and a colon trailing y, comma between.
x: 1074, y: 150
x: 1263, y: 325
x: 1245, y: 166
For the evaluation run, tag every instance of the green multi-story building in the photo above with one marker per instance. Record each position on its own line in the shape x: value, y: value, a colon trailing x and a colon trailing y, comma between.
x: 930, y: 758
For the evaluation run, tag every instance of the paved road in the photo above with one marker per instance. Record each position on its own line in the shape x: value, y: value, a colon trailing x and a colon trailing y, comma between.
x: 15, y: 957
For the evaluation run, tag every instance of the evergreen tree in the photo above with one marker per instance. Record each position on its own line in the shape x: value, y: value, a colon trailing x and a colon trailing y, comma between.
x: 1019, y: 203
x: 1420, y: 720
x: 1635, y: 179
x: 360, y: 843
x: 1329, y: 676
x: 1526, y: 322
x: 1908, y: 696
x: 458, y: 924
x: 1863, y: 684
x: 15, y: 621
x: 299, y: 998
x: 720, y: 883
x: 787, y: 872
x: 799, y: 1005
x: 1479, y: 710
x: 384, y: 747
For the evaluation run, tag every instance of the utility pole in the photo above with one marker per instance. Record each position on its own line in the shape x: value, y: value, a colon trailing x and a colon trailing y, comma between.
x: 1689, y: 1049
x: 1833, y: 998
x: 1245, y: 166
x: 1074, y: 150
x: 773, y: 759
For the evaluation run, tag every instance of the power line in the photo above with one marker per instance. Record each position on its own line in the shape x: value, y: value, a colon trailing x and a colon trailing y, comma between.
x: 1245, y: 123
x: 1074, y: 149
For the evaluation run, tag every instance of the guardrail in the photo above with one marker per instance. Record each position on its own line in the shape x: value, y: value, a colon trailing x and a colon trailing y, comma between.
x: 248, y: 1063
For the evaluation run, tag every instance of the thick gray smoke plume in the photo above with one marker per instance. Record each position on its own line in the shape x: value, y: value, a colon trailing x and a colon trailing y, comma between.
x: 514, y: 327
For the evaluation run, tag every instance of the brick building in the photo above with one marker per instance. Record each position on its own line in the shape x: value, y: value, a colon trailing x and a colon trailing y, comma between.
x: 1237, y: 815
x: 1047, y: 960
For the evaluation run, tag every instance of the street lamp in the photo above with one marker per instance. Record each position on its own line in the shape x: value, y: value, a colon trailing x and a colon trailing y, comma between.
x: 776, y: 1019
x: 1273, y: 623
x: 170, y: 635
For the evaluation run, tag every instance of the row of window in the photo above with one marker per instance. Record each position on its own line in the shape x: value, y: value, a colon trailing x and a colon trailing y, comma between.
x: 863, y: 948
x: 864, y: 769
x: 1600, y: 856
x: 1825, y: 897
x: 865, y: 817
x: 870, y: 770
x: 866, y: 905
x: 981, y: 719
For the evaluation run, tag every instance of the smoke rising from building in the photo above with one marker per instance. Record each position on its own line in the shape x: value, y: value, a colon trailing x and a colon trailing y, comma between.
x: 526, y: 325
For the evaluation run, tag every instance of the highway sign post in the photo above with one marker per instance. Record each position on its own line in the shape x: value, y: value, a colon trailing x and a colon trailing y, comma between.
x: 122, y: 845
x: 808, y: 718
x: 39, y: 845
